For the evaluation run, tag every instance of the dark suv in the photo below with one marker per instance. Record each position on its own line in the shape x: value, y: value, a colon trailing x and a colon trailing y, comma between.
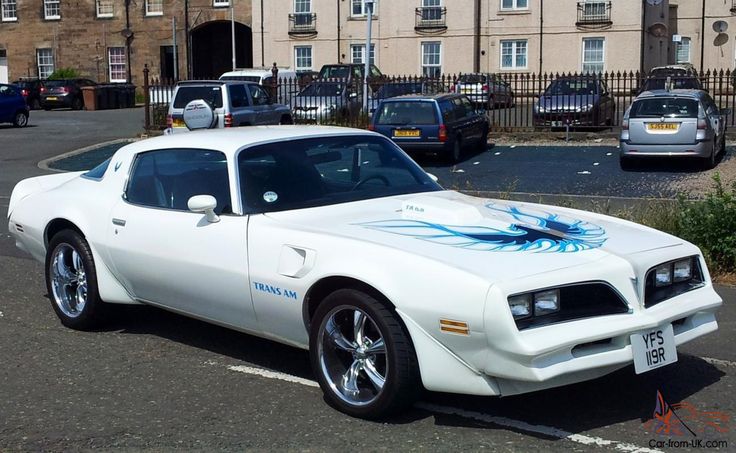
x: 31, y: 90
x: 64, y: 93
x: 444, y: 123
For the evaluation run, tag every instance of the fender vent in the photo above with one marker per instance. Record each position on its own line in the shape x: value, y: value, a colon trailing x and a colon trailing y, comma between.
x: 19, y: 228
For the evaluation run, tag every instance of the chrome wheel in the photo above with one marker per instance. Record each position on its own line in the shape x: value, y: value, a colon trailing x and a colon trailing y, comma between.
x: 352, y: 355
x: 21, y: 120
x: 68, y: 280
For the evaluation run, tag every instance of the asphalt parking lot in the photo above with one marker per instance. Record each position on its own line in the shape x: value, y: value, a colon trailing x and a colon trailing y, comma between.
x: 157, y: 381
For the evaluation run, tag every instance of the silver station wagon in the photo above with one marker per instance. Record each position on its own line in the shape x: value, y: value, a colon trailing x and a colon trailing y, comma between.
x: 673, y: 123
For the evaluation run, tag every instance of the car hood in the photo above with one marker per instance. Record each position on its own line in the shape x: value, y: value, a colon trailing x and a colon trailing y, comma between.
x: 315, y: 101
x: 567, y: 102
x: 495, y: 239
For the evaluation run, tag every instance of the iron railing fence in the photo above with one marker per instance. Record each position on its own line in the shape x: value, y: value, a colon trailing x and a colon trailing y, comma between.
x: 302, y: 23
x: 513, y: 102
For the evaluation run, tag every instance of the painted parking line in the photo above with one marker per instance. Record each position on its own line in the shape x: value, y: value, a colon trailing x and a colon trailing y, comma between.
x: 518, y: 425
x: 719, y: 362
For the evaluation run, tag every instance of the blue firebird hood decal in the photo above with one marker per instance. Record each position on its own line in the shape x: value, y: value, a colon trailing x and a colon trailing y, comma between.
x: 527, y: 231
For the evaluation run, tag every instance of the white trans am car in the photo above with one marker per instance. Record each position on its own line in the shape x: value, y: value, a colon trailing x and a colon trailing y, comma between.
x: 333, y: 240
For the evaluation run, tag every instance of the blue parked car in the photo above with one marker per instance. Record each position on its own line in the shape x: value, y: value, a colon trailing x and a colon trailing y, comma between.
x: 445, y: 123
x: 13, y: 107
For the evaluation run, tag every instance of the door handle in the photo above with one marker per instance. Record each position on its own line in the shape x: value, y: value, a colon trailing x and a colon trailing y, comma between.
x: 118, y: 222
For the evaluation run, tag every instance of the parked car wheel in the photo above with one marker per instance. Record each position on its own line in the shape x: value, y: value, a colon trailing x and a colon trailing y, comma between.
x: 710, y: 161
x: 722, y: 151
x: 35, y: 104
x: 71, y: 281
x: 455, y: 153
x: 77, y: 104
x: 627, y: 163
x: 483, y: 140
x: 20, y: 119
x: 286, y: 119
x: 362, y: 356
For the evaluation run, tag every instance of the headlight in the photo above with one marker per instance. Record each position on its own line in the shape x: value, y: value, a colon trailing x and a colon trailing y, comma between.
x: 671, y: 279
x: 546, y: 302
x: 521, y: 306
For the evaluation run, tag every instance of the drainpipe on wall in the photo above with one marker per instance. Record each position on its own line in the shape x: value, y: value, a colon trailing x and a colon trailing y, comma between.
x: 187, y: 42
x: 128, y: 37
x: 263, y: 40
x: 476, y: 38
x: 702, y: 37
x: 541, y: 35
x: 339, y: 56
x: 643, y: 36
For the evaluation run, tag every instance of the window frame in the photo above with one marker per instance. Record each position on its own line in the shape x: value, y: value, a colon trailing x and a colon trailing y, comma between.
x: 361, y: 48
x: 220, y: 3
x: 49, y: 5
x: 39, y: 65
x: 296, y: 58
x: 603, y: 55
x: 110, y: 65
x: 679, y: 46
x: 100, y: 15
x: 362, y: 9
x: 303, y: 2
x: 154, y: 13
x: 514, y: 54
x: 424, y: 65
x: 4, y: 7
x: 515, y: 6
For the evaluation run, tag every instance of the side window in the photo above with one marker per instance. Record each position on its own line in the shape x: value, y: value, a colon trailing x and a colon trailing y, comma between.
x: 238, y: 97
x: 448, y: 112
x: 167, y: 179
x: 357, y: 73
x: 469, y: 110
x: 459, y: 108
x: 259, y: 95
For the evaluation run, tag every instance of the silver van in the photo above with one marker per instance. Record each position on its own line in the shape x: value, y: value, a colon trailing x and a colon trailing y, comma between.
x: 288, y: 79
x: 673, y: 123
x: 234, y: 104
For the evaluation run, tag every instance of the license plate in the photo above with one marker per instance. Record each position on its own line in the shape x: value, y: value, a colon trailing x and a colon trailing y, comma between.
x: 467, y: 90
x: 400, y: 133
x: 178, y: 123
x: 52, y: 98
x: 653, y: 349
x: 662, y: 126
x: 556, y: 123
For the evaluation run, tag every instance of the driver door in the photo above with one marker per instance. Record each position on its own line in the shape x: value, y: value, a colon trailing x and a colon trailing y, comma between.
x: 165, y: 254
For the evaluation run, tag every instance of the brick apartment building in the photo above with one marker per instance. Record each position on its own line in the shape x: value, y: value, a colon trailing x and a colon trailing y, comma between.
x: 507, y: 36
x: 111, y: 40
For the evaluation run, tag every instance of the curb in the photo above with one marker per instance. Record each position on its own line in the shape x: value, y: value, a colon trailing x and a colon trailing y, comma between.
x: 44, y: 164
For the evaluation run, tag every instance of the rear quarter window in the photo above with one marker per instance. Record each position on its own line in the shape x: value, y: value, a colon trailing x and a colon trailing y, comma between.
x: 186, y: 94
x: 403, y: 113
x: 667, y: 107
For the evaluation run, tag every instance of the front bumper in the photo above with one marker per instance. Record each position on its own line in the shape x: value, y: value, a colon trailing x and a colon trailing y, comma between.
x: 560, y: 119
x: 698, y: 149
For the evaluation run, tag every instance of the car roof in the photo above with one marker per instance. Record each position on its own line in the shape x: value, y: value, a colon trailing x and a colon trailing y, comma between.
x: 230, y: 140
x: 214, y: 82
x: 254, y: 71
x: 683, y: 93
x: 424, y: 97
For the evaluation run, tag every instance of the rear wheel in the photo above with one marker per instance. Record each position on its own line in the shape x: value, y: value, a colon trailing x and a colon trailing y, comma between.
x: 710, y: 161
x: 626, y: 163
x: 77, y: 104
x: 286, y: 119
x: 483, y: 140
x: 455, y: 153
x: 20, y: 119
x: 71, y: 281
x: 362, y: 356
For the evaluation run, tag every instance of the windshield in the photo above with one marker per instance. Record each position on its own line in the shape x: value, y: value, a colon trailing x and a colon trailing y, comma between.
x: 186, y: 94
x: 668, y: 107
x: 391, y: 90
x: 56, y: 83
x: 568, y: 87
x: 401, y: 113
x: 334, y: 72
x: 326, y: 170
x: 657, y: 83
x: 323, y: 89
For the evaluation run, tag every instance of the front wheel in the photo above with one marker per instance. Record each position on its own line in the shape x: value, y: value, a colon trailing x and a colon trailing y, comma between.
x: 362, y: 356
x: 20, y: 119
x: 71, y: 281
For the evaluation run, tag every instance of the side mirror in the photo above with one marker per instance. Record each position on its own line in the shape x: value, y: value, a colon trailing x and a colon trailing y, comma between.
x: 353, y: 95
x: 725, y: 112
x: 433, y: 177
x: 204, y: 204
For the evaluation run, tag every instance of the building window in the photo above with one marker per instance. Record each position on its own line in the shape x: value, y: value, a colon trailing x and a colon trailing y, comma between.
x: 593, y: 55
x: 357, y: 52
x: 514, y: 4
x: 116, y: 63
x: 45, y: 59
x: 359, y: 8
x: 431, y: 59
x: 9, y: 10
x: 302, y: 6
x: 513, y: 54
x: 303, y: 58
x: 220, y: 3
x: 682, y: 51
x: 154, y: 7
x: 51, y: 9
x: 104, y: 8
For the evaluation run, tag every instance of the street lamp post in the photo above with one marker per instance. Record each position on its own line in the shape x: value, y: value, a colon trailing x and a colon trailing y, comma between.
x: 367, y: 51
x: 232, y: 30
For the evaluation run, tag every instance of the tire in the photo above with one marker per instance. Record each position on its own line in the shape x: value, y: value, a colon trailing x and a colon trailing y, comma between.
x: 77, y: 104
x: 35, y: 104
x: 75, y: 298
x: 627, y: 163
x: 383, y: 382
x: 722, y: 150
x: 286, y: 119
x: 708, y: 163
x: 455, y: 153
x: 20, y: 119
